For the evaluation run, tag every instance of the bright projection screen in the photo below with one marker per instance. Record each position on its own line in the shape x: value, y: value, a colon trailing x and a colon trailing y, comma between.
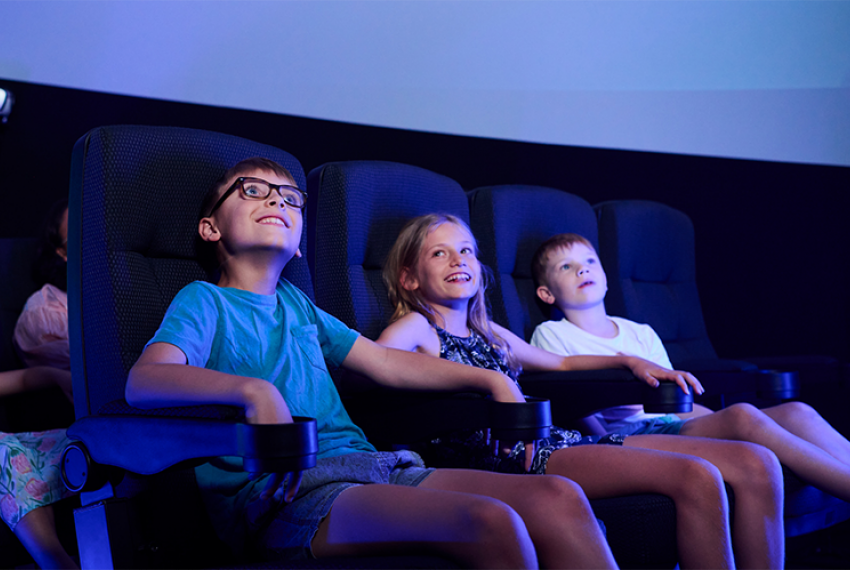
x: 751, y: 79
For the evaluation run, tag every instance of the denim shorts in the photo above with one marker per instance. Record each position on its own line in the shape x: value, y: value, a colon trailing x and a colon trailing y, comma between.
x: 285, y: 532
x: 668, y: 424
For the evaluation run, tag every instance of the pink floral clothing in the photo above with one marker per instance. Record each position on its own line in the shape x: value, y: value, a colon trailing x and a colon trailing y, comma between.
x: 41, y: 333
x: 29, y: 472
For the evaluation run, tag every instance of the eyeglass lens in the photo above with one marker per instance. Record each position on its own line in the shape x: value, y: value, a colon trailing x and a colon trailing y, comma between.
x: 256, y: 189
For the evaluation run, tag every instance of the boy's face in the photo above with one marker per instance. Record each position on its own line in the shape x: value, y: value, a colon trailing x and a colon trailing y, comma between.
x: 574, y: 278
x: 243, y: 224
x: 448, y: 270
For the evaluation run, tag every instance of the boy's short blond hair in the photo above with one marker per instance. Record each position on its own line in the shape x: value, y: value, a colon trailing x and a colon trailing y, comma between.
x: 554, y: 243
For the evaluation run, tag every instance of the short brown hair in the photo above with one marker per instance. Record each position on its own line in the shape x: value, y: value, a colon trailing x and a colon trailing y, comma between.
x: 556, y: 242
x: 239, y: 169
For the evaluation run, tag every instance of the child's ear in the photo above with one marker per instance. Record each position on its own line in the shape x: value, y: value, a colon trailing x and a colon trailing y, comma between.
x: 207, y: 230
x: 408, y: 281
x: 298, y: 252
x: 62, y: 252
x: 545, y: 295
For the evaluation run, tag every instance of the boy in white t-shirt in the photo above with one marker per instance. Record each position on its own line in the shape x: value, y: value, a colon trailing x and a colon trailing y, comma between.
x: 568, y: 274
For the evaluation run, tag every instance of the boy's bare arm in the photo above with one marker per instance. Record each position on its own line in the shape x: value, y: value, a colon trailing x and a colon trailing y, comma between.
x: 402, y: 369
x: 161, y: 378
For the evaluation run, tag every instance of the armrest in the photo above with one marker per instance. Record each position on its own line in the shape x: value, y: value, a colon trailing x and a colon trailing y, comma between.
x: 150, y: 441
x: 397, y: 417
x: 726, y: 381
x: 575, y: 395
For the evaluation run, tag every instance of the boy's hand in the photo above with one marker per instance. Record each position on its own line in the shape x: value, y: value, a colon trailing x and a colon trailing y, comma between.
x: 652, y: 374
x: 265, y: 405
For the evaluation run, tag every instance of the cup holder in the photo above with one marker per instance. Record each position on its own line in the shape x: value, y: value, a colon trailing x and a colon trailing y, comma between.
x: 778, y: 384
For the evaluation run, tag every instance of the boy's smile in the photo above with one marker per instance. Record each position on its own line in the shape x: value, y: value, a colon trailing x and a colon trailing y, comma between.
x: 575, y: 278
x: 448, y: 270
x: 275, y: 220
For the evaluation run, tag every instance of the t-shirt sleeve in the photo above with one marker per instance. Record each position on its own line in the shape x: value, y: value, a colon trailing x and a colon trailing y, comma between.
x: 189, y: 324
x: 546, y: 337
x: 656, y: 351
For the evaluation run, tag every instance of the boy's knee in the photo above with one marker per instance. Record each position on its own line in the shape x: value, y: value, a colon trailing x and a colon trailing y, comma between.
x: 798, y: 410
x: 743, y: 418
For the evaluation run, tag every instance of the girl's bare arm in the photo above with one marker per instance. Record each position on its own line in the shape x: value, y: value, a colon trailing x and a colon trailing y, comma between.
x: 537, y: 359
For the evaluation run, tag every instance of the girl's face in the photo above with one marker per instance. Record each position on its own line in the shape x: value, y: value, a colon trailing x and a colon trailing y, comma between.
x: 448, y: 273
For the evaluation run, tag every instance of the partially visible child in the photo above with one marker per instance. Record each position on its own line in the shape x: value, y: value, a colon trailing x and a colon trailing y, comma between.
x: 254, y: 340
x: 30, y: 480
x: 437, y: 285
x: 41, y: 333
x: 569, y: 275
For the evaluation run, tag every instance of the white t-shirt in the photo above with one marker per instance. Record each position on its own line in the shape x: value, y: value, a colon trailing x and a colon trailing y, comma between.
x: 634, y: 339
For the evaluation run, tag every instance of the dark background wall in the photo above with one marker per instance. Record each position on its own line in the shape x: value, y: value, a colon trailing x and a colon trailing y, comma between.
x: 772, y: 240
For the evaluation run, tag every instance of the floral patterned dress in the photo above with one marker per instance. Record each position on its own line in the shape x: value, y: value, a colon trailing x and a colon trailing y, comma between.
x: 30, y: 472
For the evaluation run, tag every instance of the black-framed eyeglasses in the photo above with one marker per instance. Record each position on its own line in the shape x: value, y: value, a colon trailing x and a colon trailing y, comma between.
x: 259, y: 189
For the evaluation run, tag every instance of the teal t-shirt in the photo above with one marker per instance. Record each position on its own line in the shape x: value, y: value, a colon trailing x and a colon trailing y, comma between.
x: 283, y: 338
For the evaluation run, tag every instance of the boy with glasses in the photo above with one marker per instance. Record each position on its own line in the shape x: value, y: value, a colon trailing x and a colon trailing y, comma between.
x: 254, y: 340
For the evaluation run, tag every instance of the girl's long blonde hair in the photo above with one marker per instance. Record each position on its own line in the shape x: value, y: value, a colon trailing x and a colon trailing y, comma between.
x: 404, y: 257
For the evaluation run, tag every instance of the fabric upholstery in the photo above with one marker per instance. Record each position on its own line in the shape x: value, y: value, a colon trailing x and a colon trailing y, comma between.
x: 357, y: 210
x: 647, y: 250
x: 134, y: 199
x: 510, y: 222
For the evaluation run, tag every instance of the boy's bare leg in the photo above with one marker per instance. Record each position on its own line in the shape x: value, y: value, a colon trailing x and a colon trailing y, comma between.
x: 756, y: 478
x: 37, y: 532
x: 555, y: 511
x: 696, y: 487
x: 806, y: 423
x: 808, y: 460
x: 478, y: 518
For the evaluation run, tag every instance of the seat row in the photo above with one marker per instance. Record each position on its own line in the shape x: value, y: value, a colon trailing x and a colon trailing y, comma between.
x: 647, y: 249
x: 133, y: 202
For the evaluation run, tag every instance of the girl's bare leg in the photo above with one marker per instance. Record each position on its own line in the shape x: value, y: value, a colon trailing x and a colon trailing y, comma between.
x: 815, y: 463
x: 696, y: 487
x: 478, y: 518
x: 756, y: 478
x: 37, y: 532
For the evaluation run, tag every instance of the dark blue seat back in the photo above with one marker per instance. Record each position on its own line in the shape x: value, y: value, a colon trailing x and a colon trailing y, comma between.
x: 356, y: 210
x: 647, y: 250
x: 134, y: 200
x: 510, y: 222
